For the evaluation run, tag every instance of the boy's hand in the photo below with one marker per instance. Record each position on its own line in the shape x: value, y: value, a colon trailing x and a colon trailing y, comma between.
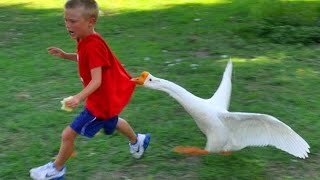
x: 56, y: 52
x: 70, y: 103
x: 64, y: 106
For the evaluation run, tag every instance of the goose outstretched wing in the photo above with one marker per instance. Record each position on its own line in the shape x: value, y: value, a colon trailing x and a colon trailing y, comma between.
x: 253, y: 129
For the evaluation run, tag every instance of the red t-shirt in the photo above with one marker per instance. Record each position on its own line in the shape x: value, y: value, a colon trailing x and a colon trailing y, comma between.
x: 116, y: 88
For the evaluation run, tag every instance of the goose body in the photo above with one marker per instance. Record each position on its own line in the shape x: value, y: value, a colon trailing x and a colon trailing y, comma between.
x: 228, y: 131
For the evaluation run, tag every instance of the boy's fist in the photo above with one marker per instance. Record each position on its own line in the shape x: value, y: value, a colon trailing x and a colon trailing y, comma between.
x: 64, y: 107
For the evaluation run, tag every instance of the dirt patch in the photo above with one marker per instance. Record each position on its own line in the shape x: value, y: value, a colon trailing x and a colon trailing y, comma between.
x: 201, y: 54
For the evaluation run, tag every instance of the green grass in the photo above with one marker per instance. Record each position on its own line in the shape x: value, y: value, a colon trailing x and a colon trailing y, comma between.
x: 275, y: 52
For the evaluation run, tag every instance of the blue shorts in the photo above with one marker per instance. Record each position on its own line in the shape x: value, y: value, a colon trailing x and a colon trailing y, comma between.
x: 88, y: 125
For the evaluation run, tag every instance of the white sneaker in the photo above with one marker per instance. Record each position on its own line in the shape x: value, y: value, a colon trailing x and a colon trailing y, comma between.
x: 46, y: 172
x: 140, y: 147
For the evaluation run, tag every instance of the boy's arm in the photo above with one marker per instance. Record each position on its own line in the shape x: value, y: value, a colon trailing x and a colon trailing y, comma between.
x: 60, y: 53
x: 96, y: 76
x: 70, y: 56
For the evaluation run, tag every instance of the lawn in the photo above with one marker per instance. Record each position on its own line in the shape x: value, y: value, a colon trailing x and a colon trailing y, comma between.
x: 274, y: 46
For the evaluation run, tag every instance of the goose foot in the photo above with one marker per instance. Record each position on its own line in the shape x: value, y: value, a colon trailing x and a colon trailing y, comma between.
x: 226, y: 153
x: 190, y: 150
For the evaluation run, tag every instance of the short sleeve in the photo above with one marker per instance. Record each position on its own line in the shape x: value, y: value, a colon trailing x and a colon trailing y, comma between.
x: 97, y: 55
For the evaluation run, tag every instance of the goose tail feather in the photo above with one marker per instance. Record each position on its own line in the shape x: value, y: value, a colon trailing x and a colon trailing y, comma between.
x: 221, y: 97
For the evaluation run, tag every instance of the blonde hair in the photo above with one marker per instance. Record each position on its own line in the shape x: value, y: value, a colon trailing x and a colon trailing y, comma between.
x: 90, y: 7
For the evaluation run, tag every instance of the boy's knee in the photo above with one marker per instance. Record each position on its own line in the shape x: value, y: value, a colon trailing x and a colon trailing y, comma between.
x: 68, y: 134
x: 122, y: 122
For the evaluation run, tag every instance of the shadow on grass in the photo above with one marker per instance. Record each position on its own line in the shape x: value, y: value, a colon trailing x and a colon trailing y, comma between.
x: 166, y: 42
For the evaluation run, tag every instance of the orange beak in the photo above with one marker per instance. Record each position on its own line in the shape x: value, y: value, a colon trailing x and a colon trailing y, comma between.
x: 140, y: 80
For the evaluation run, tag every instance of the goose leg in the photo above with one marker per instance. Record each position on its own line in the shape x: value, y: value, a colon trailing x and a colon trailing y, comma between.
x: 190, y: 150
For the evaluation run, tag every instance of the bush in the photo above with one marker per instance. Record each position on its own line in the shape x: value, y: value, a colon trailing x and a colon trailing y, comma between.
x: 288, y: 34
x: 284, y: 21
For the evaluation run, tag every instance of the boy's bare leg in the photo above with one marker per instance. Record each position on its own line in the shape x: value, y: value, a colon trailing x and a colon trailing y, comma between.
x: 66, y: 147
x: 124, y: 127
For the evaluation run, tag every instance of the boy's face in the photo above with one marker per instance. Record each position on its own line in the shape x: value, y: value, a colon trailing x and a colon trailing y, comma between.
x: 77, y: 25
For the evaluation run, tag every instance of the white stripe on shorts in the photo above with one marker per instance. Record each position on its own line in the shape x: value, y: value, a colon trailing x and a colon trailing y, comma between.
x: 87, y: 124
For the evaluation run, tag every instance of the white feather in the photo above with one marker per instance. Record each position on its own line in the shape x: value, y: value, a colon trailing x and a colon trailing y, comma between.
x: 253, y: 129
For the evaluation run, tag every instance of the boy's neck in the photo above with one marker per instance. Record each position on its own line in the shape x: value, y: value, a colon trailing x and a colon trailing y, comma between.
x: 87, y: 34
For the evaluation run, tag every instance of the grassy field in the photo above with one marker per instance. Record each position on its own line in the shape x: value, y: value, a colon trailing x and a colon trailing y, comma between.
x: 274, y: 46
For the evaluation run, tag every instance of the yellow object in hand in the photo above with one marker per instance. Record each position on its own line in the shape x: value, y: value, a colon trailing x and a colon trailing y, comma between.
x: 64, y: 107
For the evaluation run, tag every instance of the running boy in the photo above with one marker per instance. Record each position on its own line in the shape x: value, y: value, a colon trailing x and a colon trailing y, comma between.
x: 107, y: 89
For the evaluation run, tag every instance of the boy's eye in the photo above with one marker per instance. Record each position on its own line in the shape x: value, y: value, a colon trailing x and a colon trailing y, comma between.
x: 70, y: 20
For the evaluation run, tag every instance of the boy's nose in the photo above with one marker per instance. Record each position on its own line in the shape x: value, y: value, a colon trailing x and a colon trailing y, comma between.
x: 67, y: 25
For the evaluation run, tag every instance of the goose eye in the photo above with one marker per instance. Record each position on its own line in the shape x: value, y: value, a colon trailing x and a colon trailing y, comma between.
x: 150, y: 79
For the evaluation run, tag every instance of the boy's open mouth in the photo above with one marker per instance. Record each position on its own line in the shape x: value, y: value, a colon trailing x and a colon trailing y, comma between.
x: 71, y: 33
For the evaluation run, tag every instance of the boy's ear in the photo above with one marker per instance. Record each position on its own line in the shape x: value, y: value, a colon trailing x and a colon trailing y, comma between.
x: 92, y: 20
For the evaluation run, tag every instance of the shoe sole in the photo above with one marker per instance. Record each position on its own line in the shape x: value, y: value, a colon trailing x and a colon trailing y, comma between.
x: 59, y: 178
x: 146, y: 141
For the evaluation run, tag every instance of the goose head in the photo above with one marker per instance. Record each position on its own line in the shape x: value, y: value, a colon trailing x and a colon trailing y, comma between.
x: 147, y: 80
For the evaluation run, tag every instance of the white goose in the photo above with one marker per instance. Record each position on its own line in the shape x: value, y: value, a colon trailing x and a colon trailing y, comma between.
x: 228, y: 131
